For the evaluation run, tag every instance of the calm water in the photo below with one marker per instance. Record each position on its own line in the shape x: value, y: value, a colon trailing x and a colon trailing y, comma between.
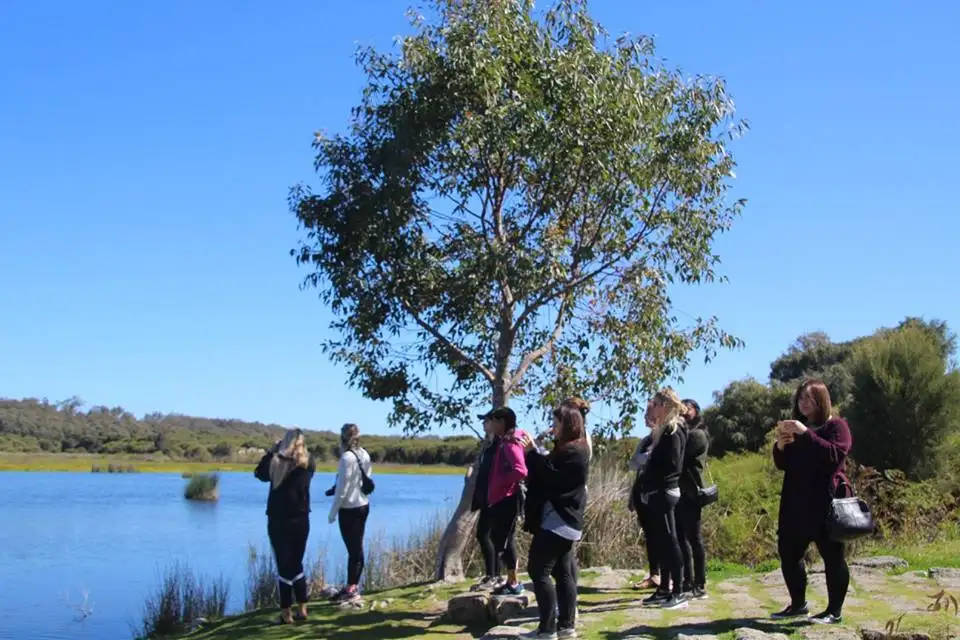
x: 63, y: 535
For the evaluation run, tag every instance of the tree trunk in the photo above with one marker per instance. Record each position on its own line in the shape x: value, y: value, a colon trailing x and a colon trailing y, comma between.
x: 457, y: 533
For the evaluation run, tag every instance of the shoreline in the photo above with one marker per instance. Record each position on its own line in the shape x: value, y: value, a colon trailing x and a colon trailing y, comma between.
x: 84, y: 463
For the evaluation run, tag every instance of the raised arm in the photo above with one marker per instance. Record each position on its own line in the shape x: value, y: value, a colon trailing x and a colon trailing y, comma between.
x: 262, y: 472
x: 779, y: 457
x: 559, y: 474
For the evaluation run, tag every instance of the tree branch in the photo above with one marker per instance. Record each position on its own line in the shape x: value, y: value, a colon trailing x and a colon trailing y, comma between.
x: 532, y: 357
x: 463, y: 355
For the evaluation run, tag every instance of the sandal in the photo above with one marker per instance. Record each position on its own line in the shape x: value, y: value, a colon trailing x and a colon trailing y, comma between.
x: 647, y: 583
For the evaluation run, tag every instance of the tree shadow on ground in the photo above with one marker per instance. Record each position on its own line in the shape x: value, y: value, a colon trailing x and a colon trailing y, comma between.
x: 713, y: 628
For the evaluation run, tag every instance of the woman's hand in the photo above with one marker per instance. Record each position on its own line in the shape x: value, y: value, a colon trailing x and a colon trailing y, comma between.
x: 793, y: 427
x: 526, y: 442
x: 332, y: 518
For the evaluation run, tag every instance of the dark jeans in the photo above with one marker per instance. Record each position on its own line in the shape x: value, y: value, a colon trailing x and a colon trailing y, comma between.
x: 288, y: 537
x: 491, y: 559
x: 643, y: 517
x: 666, y: 540
x: 792, y: 550
x: 688, y: 516
x: 550, y: 557
x: 353, y: 524
x: 503, y: 527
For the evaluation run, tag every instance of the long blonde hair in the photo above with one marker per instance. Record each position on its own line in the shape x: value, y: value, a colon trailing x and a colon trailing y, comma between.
x: 291, y: 453
x: 673, y: 417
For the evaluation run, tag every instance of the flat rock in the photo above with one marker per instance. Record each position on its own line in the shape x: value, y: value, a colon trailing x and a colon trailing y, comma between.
x: 684, y: 636
x: 503, y: 631
x: 469, y: 608
x: 870, y: 634
x: 880, y: 562
x: 943, y: 574
x: 607, y: 578
x: 503, y: 608
x: 828, y: 633
x: 745, y: 633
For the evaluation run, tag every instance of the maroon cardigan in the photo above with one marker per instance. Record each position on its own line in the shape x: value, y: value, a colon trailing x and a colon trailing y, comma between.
x: 813, y: 470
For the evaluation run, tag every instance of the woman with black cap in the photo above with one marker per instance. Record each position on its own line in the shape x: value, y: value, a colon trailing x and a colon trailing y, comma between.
x: 491, y: 559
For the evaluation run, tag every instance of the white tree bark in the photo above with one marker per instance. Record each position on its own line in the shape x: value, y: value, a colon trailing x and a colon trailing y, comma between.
x: 457, y: 533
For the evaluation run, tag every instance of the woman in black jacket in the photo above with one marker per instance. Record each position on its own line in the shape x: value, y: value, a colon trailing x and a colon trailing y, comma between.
x: 689, y: 511
x: 289, y: 468
x: 491, y: 559
x: 637, y: 462
x: 556, y: 499
x: 661, y: 493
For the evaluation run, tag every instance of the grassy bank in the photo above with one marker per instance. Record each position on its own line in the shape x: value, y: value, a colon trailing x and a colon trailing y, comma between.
x: 85, y: 463
x: 741, y: 597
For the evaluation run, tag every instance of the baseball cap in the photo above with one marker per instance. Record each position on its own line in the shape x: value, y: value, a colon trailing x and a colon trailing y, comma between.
x: 504, y: 414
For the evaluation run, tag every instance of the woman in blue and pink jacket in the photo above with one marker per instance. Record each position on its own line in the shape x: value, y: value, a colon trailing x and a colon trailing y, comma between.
x: 505, y: 493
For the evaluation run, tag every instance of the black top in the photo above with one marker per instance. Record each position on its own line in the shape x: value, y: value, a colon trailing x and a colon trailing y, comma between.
x: 694, y: 462
x: 813, y: 472
x: 483, y: 475
x: 665, y: 464
x: 561, y: 478
x: 292, y: 498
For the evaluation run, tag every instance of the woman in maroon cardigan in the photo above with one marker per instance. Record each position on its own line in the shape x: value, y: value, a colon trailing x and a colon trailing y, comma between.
x: 811, y: 450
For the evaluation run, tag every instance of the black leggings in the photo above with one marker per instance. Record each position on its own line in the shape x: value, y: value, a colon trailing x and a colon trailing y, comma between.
x: 503, y: 526
x: 491, y: 559
x: 643, y: 517
x: 550, y: 557
x: 792, y: 550
x: 688, y: 516
x: 666, y: 540
x: 353, y: 524
x: 288, y: 537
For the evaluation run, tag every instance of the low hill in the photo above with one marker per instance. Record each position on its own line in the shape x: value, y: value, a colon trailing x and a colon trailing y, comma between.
x: 33, y: 426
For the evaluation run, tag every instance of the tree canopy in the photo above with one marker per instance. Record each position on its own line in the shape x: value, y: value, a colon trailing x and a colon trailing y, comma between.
x: 512, y: 201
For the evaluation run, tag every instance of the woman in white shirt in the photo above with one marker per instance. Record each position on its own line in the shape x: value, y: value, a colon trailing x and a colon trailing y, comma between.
x: 352, y: 505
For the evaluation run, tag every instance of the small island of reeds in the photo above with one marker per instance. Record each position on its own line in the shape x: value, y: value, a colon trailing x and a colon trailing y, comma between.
x: 204, y: 487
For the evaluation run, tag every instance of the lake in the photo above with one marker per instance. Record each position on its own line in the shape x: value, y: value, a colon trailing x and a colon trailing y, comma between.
x: 108, y: 537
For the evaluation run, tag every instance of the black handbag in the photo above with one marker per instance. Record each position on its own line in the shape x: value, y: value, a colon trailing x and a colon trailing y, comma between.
x: 367, y: 484
x: 708, y: 495
x: 848, y: 518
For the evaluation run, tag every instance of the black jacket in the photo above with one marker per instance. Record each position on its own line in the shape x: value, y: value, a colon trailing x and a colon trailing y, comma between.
x: 694, y: 462
x: 560, y: 478
x: 292, y: 498
x: 665, y: 464
x: 483, y: 475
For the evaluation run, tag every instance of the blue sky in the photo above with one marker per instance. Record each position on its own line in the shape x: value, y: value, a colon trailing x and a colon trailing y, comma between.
x: 146, y: 150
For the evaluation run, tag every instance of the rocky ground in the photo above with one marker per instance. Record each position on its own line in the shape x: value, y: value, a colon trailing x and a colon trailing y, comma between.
x: 883, y: 590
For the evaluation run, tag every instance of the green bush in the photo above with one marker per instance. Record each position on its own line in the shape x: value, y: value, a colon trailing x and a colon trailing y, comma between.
x: 904, y: 402
x: 203, y: 486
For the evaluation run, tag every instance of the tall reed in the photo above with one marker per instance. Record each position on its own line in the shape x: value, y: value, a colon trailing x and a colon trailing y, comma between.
x: 181, y: 600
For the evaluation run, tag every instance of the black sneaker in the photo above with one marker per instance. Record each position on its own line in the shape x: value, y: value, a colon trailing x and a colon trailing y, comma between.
x: 792, y: 612
x: 675, y: 602
x: 826, y: 618
x: 699, y: 593
x: 507, y: 589
x: 656, y: 598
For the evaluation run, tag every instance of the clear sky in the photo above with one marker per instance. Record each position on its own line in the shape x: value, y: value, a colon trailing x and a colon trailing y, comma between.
x: 146, y: 149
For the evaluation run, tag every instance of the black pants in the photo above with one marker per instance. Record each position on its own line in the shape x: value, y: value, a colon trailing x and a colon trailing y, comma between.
x: 550, y: 557
x: 288, y: 537
x: 491, y: 559
x: 792, y: 550
x: 666, y: 540
x: 503, y: 527
x: 353, y: 524
x: 643, y: 517
x: 688, y: 516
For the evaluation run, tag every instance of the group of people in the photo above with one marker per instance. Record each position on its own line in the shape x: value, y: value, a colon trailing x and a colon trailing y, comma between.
x: 519, y: 478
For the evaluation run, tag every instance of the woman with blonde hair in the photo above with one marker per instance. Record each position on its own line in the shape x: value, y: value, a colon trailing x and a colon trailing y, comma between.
x: 352, y: 506
x: 660, y: 479
x: 289, y: 468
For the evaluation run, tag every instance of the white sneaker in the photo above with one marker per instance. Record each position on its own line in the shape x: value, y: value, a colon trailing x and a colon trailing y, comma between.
x: 567, y: 633
x: 536, y: 634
